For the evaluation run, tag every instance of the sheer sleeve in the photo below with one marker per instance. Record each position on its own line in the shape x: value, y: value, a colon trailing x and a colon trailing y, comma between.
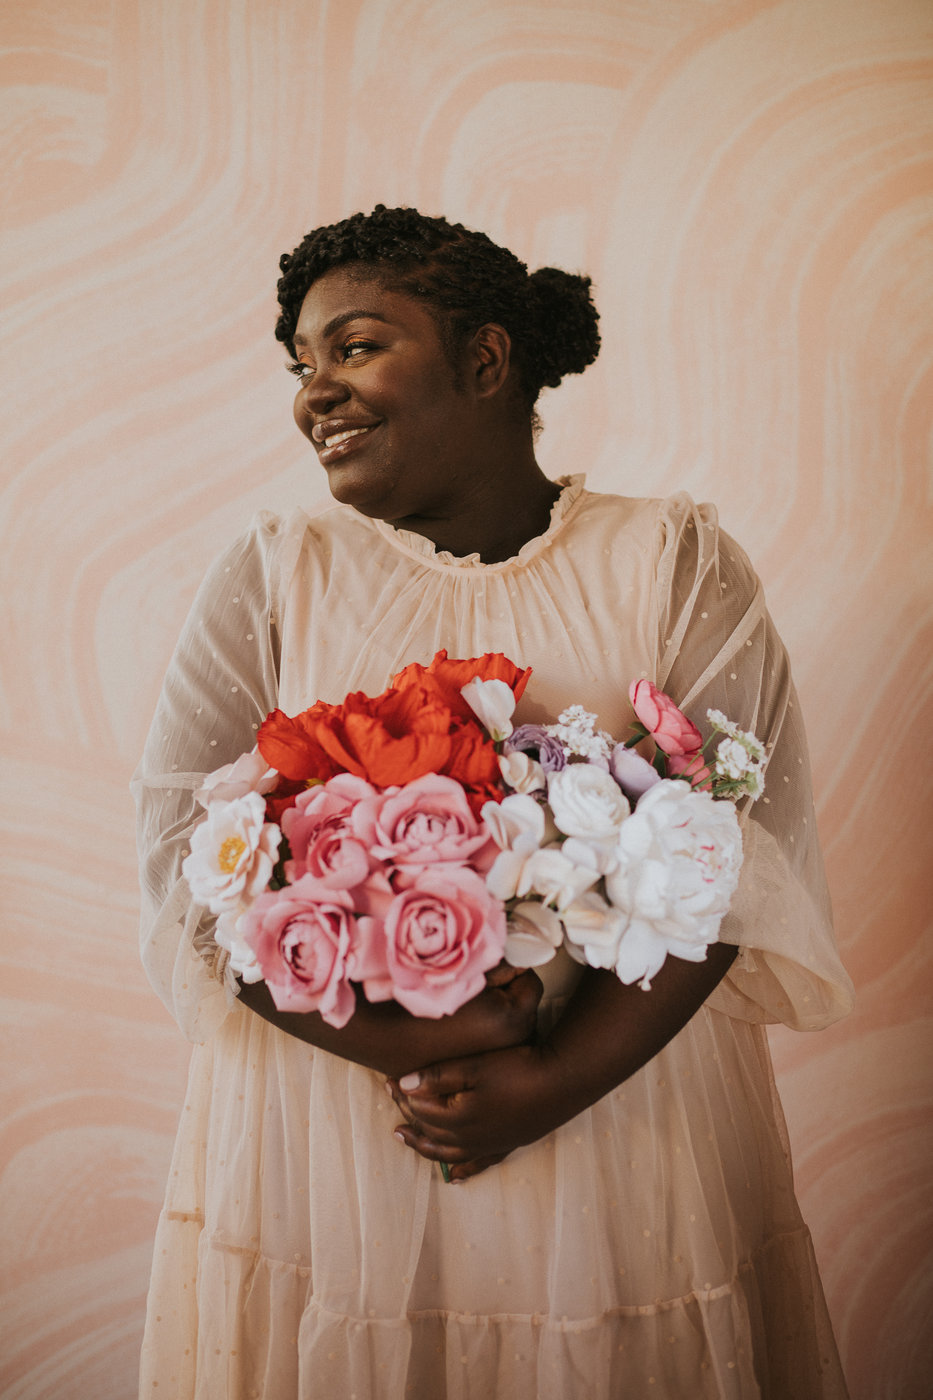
x: 220, y: 684
x: 719, y: 649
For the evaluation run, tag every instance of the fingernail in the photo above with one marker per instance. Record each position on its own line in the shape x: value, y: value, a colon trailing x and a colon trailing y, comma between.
x: 400, y: 1138
x: 409, y: 1082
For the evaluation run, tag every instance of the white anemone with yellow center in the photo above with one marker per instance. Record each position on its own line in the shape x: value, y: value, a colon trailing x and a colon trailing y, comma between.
x: 233, y: 852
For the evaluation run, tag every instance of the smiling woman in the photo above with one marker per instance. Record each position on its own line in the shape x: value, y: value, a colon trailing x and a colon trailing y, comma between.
x: 625, y: 1222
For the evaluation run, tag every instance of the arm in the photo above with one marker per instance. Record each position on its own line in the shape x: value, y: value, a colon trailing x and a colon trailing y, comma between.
x: 386, y: 1037
x: 471, y: 1112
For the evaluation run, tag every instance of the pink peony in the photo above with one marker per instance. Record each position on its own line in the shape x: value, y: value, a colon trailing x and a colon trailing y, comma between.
x: 441, y: 934
x: 425, y: 822
x: 301, y: 937
x: 671, y: 730
x: 319, y: 833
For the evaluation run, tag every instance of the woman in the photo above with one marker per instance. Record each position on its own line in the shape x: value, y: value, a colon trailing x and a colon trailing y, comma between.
x: 625, y: 1223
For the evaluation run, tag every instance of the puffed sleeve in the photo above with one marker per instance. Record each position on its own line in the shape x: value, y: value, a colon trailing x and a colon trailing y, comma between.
x: 718, y: 649
x: 221, y: 683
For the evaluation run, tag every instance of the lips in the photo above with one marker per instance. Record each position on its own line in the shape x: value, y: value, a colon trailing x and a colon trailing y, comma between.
x: 334, y: 436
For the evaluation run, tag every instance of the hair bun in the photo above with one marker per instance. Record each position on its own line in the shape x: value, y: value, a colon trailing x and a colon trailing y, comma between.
x: 567, y: 334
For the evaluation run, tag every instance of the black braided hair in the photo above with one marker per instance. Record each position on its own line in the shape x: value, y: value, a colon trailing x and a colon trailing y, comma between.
x: 465, y: 279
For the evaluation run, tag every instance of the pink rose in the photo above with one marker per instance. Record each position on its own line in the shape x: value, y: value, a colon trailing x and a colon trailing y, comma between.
x: 301, y: 937
x: 690, y: 766
x: 442, y: 932
x: 671, y: 730
x: 426, y: 821
x: 319, y: 832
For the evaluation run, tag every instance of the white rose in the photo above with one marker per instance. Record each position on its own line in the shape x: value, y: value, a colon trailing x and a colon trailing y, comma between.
x: 677, y: 866
x: 232, y: 854
x: 533, y: 934
x: 250, y: 773
x: 586, y: 801
x: 493, y: 703
x: 521, y: 772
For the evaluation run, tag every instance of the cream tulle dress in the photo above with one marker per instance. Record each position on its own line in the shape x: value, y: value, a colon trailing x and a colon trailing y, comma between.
x: 650, y: 1247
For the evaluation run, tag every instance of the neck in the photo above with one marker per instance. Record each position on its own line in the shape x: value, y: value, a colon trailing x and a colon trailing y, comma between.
x: 503, y: 510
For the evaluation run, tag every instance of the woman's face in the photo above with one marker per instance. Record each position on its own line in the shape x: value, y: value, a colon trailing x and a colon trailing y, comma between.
x: 380, y: 402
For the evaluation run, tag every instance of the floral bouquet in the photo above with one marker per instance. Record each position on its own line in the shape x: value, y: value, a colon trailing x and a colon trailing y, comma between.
x: 405, y: 843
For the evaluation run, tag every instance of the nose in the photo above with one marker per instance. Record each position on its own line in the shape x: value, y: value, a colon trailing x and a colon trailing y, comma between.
x: 323, y: 392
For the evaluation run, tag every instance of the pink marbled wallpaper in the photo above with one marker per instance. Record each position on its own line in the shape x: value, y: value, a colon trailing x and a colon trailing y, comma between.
x: 750, y: 182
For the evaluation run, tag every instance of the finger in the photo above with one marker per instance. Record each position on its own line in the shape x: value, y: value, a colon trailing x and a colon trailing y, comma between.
x: 465, y: 1170
x: 439, y: 1080
x: 428, y: 1147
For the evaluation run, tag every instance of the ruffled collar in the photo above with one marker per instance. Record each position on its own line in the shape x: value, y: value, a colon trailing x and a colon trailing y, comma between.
x: 421, y: 548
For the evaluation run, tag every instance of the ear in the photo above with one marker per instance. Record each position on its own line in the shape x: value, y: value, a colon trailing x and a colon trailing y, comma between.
x: 490, y: 359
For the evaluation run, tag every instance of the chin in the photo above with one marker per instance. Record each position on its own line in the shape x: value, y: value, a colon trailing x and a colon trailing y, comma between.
x: 359, y: 490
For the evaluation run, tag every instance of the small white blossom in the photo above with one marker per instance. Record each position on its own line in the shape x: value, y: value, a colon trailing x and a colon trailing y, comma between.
x: 576, y: 731
x: 733, y: 760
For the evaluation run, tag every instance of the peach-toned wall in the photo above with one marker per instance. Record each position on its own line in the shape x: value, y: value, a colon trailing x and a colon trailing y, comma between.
x: 749, y: 182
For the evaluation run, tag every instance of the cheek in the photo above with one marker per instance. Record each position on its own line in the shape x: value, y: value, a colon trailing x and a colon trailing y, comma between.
x: 301, y: 415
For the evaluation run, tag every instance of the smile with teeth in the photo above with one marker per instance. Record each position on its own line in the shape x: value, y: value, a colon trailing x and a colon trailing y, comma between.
x: 342, y: 437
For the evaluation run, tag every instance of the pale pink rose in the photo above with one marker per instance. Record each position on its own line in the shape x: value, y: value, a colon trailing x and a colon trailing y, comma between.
x: 692, y: 766
x: 440, y: 936
x: 425, y: 822
x: 671, y: 730
x: 321, y: 837
x: 301, y: 937
x: 250, y: 773
x: 233, y: 851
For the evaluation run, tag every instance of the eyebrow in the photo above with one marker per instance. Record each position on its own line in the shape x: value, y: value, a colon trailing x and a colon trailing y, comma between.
x: 341, y: 320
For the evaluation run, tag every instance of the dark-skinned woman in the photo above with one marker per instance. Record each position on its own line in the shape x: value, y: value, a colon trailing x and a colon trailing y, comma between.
x: 624, y: 1221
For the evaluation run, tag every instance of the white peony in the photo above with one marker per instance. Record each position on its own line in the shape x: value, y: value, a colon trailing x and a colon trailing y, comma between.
x: 232, y: 855
x: 533, y: 934
x: 493, y: 703
x: 586, y: 801
x: 677, y: 867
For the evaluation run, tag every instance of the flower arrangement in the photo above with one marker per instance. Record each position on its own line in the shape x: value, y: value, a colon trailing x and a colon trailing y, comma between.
x: 407, y: 842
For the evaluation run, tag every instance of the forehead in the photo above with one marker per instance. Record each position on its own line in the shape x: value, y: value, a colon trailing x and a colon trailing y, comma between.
x: 347, y: 294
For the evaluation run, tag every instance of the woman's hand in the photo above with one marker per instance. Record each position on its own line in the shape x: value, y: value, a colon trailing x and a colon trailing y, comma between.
x: 471, y: 1112
x: 385, y: 1037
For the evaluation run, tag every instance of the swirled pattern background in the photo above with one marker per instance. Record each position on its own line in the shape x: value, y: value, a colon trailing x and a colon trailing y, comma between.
x: 749, y: 183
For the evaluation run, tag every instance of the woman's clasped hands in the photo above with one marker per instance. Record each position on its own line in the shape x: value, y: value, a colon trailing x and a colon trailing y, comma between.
x: 471, y: 1112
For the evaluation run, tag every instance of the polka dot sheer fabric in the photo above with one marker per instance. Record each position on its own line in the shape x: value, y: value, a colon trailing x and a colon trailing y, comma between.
x: 652, y: 1241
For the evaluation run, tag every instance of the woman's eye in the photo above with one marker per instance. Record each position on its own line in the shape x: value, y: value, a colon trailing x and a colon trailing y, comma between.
x: 354, y: 347
x: 302, y: 371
